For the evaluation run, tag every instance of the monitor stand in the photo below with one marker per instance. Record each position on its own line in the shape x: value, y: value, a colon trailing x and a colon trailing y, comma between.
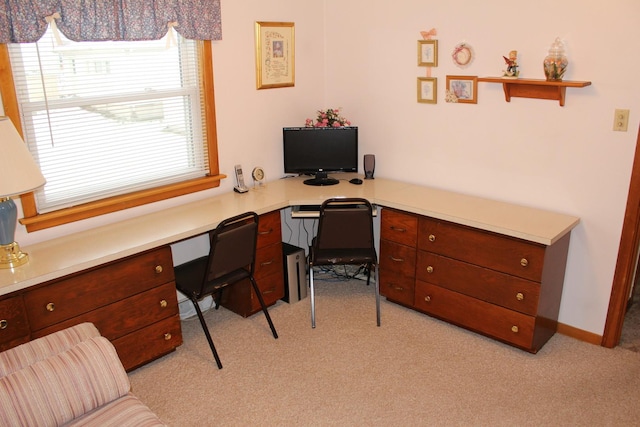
x: 321, y: 178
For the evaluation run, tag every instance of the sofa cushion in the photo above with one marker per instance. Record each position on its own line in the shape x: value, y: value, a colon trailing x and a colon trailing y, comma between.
x: 41, y: 348
x: 128, y: 411
x: 63, y: 387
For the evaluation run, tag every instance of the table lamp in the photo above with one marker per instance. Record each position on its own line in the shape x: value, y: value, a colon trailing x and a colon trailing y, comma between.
x: 19, y: 174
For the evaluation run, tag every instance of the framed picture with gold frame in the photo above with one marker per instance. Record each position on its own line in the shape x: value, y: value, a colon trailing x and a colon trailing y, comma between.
x: 275, y: 54
x: 463, y: 88
x: 428, y: 53
x: 427, y: 90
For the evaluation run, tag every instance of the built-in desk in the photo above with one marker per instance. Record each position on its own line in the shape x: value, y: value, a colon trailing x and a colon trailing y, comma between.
x: 76, y: 253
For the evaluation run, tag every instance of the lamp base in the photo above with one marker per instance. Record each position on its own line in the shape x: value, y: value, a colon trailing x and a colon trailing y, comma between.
x: 11, y: 256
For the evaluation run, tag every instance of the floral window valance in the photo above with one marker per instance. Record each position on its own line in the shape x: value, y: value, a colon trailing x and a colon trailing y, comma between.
x: 25, y: 21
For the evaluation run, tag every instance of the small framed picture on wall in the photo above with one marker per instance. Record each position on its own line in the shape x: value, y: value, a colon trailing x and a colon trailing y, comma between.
x: 427, y: 90
x: 463, y: 89
x: 428, y: 53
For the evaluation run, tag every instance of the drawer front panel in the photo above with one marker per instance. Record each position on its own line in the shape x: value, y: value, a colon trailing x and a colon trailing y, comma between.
x: 269, y: 229
x: 398, y: 259
x: 14, y: 326
x: 241, y: 299
x: 123, y: 317
x: 501, y: 253
x: 149, y: 343
x: 399, y: 227
x: 396, y: 287
x: 271, y: 288
x: 268, y: 261
x: 494, y: 321
x: 70, y: 297
x: 498, y: 288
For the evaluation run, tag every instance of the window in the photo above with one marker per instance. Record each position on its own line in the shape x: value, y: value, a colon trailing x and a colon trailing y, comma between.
x: 112, y: 124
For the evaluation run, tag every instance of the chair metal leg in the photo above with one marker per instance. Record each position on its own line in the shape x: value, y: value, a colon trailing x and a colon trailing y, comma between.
x: 206, y: 332
x: 264, y: 307
x: 313, y: 298
x: 370, y: 267
x: 377, y: 278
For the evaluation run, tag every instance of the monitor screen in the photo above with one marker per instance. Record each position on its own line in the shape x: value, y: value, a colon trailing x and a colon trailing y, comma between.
x: 311, y: 150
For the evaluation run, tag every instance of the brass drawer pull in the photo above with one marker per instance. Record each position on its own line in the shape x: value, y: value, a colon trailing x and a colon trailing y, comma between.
x: 262, y: 264
x: 429, y: 269
x: 167, y: 336
x: 514, y: 329
x: 163, y: 303
x: 3, y: 324
x: 51, y: 306
x: 432, y: 238
x: 398, y: 229
x: 396, y: 287
x: 269, y: 231
x: 158, y: 269
x: 268, y: 291
x: 519, y: 296
x: 524, y: 262
x: 396, y: 259
x: 427, y: 298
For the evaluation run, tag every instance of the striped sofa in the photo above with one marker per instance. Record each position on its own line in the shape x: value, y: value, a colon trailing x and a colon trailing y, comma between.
x: 72, y: 377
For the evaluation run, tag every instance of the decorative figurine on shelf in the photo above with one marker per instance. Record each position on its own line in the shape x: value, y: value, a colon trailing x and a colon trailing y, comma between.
x: 512, y: 71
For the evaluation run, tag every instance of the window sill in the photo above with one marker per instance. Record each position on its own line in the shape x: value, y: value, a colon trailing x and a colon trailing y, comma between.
x: 118, y: 203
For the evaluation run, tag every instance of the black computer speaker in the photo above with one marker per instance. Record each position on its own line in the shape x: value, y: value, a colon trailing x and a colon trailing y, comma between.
x: 369, y: 165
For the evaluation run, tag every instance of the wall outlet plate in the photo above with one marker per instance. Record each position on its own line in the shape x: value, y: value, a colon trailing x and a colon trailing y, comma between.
x: 621, y: 120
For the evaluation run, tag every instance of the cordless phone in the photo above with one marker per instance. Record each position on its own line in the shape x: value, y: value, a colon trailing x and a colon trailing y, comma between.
x: 240, y: 187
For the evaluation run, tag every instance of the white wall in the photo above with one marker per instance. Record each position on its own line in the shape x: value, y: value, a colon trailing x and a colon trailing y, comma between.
x: 528, y: 151
x: 361, y: 55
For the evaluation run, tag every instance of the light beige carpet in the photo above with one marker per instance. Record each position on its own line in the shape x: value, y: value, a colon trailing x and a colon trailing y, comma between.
x: 412, y: 371
x: 630, y: 337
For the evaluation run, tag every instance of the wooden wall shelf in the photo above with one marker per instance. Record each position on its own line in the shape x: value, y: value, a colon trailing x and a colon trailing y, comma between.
x: 534, y: 88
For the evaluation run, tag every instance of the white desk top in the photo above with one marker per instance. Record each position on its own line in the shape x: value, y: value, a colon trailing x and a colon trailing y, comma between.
x: 66, y: 255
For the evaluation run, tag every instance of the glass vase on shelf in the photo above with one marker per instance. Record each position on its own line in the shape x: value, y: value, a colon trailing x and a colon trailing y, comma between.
x: 555, y: 63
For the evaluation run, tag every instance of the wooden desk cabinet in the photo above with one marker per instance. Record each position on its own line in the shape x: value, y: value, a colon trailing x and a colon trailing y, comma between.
x: 14, y: 326
x: 506, y: 288
x: 132, y: 302
x: 269, y: 272
x: 398, y: 242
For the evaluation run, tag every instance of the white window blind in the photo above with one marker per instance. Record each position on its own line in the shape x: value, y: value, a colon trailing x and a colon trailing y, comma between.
x: 109, y: 118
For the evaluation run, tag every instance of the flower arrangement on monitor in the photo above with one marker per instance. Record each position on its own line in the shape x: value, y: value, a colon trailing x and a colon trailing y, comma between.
x: 328, y: 118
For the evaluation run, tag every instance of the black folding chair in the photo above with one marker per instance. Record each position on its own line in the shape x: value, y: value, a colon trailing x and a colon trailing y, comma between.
x: 345, y: 236
x: 231, y: 259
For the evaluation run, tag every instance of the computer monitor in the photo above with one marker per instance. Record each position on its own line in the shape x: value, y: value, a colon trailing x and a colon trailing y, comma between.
x: 317, y: 151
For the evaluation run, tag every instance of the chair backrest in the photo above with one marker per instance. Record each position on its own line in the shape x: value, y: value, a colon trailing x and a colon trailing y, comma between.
x: 233, y: 246
x: 345, y: 223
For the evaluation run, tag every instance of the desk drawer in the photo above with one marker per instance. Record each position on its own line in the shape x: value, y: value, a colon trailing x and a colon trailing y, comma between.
x: 269, y: 229
x: 14, y: 326
x: 396, y: 287
x: 397, y: 259
x: 126, y: 316
x: 268, y: 261
x: 498, y: 288
x: 501, y: 253
x: 497, y: 322
x: 69, y: 297
x: 271, y: 288
x: 149, y: 343
x: 399, y: 227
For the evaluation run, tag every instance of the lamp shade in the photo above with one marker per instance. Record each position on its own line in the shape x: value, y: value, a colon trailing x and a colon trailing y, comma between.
x: 19, y: 173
